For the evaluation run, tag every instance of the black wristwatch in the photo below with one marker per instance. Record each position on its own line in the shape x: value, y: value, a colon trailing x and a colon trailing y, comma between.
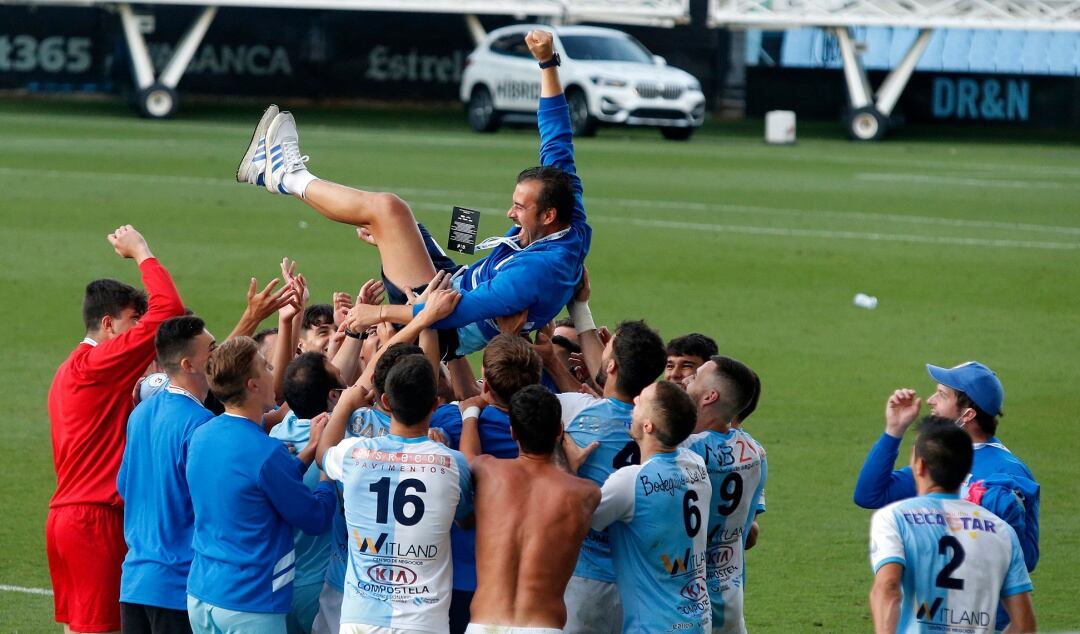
x: 355, y: 335
x: 554, y: 61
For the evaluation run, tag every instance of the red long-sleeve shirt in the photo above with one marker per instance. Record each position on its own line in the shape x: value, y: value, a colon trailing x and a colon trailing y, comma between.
x: 90, y: 399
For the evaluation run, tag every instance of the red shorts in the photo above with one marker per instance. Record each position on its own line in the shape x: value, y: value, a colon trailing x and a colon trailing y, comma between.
x: 85, y: 544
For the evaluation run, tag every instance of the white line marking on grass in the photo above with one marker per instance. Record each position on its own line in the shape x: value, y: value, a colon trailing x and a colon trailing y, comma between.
x: 42, y: 591
x: 962, y: 181
x: 811, y: 233
x: 680, y: 225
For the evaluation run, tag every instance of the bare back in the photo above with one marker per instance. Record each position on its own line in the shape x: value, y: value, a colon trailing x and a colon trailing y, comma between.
x: 531, y: 518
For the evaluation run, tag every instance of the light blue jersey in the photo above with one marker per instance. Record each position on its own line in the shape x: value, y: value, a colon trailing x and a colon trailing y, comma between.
x: 401, y: 497
x: 959, y: 559
x: 737, y: 469
x: 657, y: 516
x: 607, y: 421
x: 365, y: 422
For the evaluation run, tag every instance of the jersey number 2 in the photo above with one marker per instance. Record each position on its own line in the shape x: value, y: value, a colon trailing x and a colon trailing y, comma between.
x: 402, y: 499
x: 944, y: 578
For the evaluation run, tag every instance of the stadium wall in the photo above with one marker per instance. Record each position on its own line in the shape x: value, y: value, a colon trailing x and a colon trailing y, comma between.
x: 314, y: 54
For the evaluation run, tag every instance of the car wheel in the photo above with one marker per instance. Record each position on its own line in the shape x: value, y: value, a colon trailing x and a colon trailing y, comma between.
x: 581, y: 122
x: 677, y: 134
x: 867, y: 124
x: 481, y: 111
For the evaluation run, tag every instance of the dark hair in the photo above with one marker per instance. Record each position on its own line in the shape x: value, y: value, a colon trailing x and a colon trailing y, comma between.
x: 510, y: 364
x: 946, y: 449
x: 640, y: 355
x: 557, y: 190
x: 410, y: 388
x: 565, y: 322
x: 388, y: 360
x: 563, y: 342
x: 318, y: 315
x: 536, y: 418
x: 987, y: 423
x: 230, y: 366
x: 307, y: 384
x: 109, y: 297
x: 675, y: 413
x: 260, y: 336
x: 739, y: 388
x: 694, y: 344
x: 173, y: 341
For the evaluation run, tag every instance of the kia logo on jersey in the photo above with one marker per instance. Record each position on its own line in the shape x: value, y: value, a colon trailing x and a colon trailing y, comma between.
x: 391, y: 575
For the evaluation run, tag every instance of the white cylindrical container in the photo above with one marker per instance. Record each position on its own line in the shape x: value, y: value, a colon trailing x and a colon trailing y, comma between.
x: 780, y: 127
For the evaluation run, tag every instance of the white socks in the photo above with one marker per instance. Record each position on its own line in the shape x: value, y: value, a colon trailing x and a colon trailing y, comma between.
x: 297, y: 182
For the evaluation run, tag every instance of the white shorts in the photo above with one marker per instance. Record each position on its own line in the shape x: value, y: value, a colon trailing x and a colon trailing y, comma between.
x: 328, y: 620
x: 358, y: 628
x: 592, y: 607
x: 509, y: 629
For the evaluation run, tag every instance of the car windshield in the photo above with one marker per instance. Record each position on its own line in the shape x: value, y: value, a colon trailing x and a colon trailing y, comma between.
x: 607, y: 49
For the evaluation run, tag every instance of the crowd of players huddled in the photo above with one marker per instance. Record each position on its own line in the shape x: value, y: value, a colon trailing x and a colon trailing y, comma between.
x: 351, y: 480
x: 347, y: 471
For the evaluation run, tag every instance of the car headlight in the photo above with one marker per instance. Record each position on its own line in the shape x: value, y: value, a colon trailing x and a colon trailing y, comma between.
x: 610, y: 82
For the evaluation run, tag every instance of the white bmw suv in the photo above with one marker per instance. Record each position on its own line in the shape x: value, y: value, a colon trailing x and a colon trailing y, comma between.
x: 609, y: 78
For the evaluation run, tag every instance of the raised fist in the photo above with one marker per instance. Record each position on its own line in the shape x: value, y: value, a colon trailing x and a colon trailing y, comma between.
x: 541, y: 44
x: 129, y: 243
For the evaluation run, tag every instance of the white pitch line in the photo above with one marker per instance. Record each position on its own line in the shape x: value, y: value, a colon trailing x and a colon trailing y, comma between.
x: 962, y: 181
x: 665, y: 224
x: 808, y: 233
x: 41, y: 591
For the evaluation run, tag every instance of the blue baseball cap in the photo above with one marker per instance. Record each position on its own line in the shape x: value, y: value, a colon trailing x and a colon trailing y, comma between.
x: 976, y: 380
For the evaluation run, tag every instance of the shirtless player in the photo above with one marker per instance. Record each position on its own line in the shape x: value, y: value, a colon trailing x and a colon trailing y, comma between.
x: 531, y: 517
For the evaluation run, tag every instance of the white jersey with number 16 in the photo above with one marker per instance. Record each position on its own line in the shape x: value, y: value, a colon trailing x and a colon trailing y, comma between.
x: 401, y: 497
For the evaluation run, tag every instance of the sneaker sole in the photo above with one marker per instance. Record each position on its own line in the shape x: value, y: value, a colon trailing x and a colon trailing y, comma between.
x: 271, y: 132
x: 260, y: 131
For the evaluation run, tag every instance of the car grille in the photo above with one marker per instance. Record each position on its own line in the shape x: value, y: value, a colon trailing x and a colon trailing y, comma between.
x: 655, y: 89
x: 658, y: 113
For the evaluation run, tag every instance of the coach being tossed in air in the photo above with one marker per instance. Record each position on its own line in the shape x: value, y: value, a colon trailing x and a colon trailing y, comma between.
x: 535, y: 266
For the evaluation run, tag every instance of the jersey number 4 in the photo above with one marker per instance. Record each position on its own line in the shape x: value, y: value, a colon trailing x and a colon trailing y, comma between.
x: 403, y: 501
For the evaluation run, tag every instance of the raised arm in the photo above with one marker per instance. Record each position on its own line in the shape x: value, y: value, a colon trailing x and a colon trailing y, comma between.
x: 553, y: 117
x: 126, y: 356
x: 878, y: 484
x: 260, y: 305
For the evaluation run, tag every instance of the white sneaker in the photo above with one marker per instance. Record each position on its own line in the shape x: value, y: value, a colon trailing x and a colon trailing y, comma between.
x: 252, y: 166
x: 283, y: 150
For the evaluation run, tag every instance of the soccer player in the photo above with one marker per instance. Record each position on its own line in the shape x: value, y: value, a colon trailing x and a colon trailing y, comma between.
x: 158, y: 517
x: 536, y: 266
x: 89, y: 403
x: 402, y: 492
x: 316, y: 328
x: 657, y: 515
x: 721, y: 389
x: 521, y: 574
x: 248, y: 493
x: 632, y: 360
x: 971, y: 395
x: 942, y: 563
x: 686, y: 354
x: 312, y: 386
x: 509, y: 365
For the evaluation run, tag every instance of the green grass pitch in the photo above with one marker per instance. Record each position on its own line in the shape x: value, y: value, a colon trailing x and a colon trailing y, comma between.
x: 971, y: 245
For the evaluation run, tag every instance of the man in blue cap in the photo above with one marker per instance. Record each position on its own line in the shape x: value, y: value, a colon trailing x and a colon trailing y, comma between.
x: 971, y: 395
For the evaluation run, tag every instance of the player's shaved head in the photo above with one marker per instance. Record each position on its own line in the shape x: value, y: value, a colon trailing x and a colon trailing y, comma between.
x: 946, y: 450
x: 173, y: 341
x: 737, y: 387
x: 672, y: 412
